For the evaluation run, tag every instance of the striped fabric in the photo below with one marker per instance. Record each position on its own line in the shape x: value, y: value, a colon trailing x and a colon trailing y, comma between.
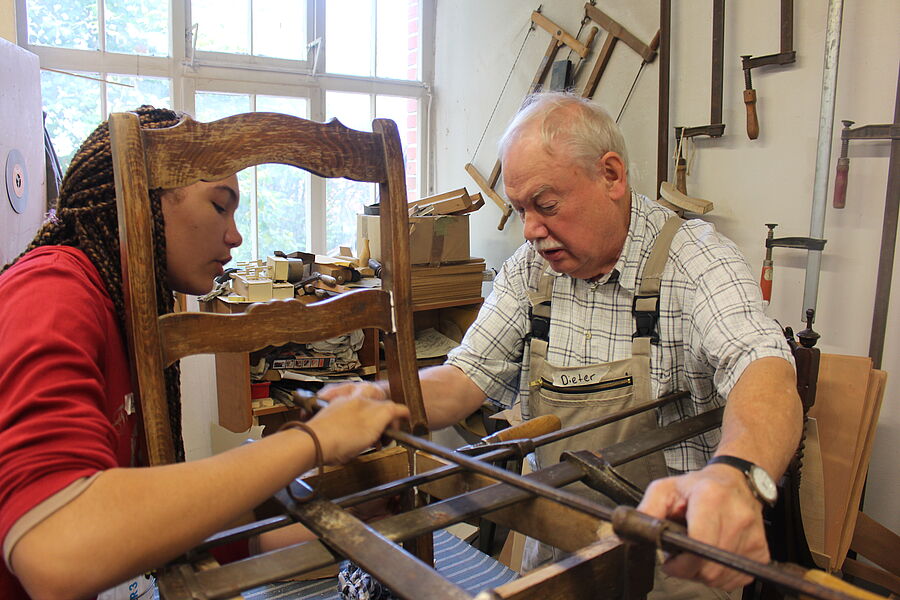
x: 456, y: 560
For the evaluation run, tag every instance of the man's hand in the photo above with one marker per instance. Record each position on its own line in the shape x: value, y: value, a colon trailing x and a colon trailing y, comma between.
x: 720, y: 510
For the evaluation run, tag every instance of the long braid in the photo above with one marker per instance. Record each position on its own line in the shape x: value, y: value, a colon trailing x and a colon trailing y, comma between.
x: 86, y: 219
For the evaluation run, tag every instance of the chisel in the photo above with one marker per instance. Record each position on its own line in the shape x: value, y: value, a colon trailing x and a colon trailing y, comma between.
x: 529, y: 429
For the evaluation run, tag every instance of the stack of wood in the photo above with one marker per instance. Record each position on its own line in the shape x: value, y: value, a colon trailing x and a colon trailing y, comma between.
x: 450, y: 282
x: 840, y: 433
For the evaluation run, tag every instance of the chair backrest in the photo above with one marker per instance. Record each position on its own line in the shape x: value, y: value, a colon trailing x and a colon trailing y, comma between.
x: 192, y: 151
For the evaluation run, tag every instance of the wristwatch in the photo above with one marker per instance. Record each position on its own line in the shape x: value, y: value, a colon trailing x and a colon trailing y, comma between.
x: 758, y: 479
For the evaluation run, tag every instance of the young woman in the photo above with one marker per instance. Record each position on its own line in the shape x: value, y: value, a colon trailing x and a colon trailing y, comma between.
x: 78, y: 514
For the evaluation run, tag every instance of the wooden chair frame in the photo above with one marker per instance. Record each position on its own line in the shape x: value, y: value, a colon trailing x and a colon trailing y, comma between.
x: 145, y: 159
x: 192, y: 151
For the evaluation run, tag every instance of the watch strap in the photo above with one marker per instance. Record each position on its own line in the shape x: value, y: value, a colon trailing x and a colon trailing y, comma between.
x: 746, y: 467
x: 734, y: 461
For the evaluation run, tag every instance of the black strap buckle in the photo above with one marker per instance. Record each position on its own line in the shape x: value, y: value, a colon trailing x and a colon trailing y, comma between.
x: 646, y: 320
x: 540, y: 326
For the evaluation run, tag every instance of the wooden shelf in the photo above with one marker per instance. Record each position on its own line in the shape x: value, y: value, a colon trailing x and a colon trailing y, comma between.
x: 446, y: 304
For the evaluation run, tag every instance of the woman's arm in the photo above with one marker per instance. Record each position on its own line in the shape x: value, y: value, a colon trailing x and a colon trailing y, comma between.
x: 131, y: 520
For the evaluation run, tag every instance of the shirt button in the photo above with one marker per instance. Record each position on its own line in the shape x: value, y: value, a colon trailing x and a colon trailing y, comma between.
x: 587, y: 335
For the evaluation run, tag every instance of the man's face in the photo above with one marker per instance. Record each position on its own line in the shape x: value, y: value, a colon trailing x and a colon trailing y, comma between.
x: 577, y: 219
x: 200, y: 233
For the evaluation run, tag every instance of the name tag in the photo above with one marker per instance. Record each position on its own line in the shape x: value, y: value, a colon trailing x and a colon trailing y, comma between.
x: 577, y: 377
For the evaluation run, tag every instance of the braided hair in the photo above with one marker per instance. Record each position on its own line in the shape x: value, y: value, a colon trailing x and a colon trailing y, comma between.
x: 86, y: 219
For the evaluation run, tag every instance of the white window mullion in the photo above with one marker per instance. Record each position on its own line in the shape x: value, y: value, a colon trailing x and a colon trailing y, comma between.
x: 101, y: 25
x: 316, y: 209
x: 373, y: 66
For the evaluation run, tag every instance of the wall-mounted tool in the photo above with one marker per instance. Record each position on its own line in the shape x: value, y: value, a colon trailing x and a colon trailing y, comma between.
x: 614, y: 33
x: 675, y: 196
x: 890, y: 131
x: 785, y: 57
x: 716, y: 127
x: 889, y: 223
x: 768, y: 269
x: 559, y: 38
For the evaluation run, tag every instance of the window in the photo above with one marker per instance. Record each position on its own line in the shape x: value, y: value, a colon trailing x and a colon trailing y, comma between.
x: 353, y: 60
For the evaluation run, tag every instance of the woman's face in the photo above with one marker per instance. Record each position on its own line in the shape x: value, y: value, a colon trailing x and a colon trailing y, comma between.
x: 200, y: 233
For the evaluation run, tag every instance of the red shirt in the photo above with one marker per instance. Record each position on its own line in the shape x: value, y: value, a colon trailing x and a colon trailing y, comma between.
x: 63, y: 383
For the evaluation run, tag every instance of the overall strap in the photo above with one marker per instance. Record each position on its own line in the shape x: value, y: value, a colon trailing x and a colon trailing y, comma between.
x: 539, y: 311
x: 646, y: 301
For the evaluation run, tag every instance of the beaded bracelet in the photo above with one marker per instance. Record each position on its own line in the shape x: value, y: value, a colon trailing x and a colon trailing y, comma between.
x: 320, y: 458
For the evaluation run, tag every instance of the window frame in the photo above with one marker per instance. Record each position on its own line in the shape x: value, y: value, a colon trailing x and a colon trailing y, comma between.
x: 206, y: 71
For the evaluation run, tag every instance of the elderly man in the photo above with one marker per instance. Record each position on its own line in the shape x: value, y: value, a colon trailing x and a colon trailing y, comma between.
x: 559, y: 334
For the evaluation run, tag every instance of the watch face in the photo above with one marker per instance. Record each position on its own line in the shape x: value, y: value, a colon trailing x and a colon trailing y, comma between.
x: 764, y: 483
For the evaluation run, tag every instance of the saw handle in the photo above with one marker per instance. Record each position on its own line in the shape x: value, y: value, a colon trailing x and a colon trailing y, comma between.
x: 529, y: 429
x: 840, y: 182
x: 752, y: 119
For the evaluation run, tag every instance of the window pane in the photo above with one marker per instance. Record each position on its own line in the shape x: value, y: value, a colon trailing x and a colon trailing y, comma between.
x: 279, y: 29
x: 211, y: 106
x: 348, y: 35
x: 283, y: 192
x: 224, y: 25
x: 63, y: 23
x: 147, y: 90
x: 398, y: 39
x: 72, y: 105
x: 137, y: 27
x: 344, y: 199
x: 353, y: 110
x: 404, y: 112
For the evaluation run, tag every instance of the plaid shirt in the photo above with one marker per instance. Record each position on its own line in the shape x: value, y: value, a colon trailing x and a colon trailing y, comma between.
x: 711, y: 323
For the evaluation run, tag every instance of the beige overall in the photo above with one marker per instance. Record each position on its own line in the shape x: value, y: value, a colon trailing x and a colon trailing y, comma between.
x: 578, y: 394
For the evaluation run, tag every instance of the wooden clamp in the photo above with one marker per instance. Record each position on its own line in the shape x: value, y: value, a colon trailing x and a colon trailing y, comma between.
x: 716, y: 127
x: 785, y: 57
x: 615, y: 32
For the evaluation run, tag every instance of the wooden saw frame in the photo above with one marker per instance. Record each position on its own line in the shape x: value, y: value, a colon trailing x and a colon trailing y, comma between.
x: 559, y: 38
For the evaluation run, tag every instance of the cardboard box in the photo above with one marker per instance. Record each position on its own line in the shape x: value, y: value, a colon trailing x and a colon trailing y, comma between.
x: 432, y: 240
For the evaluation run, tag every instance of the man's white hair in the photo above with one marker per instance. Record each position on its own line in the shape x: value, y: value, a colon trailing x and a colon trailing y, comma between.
x: 563, y: 119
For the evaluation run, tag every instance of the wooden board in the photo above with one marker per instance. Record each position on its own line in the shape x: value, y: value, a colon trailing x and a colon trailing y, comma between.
x: 871, y: 410
x: 839, y: 411
x: 812, y: 496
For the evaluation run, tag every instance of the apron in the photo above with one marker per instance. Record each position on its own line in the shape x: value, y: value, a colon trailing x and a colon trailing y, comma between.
x: 581, y: 393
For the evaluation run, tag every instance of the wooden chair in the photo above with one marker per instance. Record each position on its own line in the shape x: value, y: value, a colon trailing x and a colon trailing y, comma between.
x: 192, y: 151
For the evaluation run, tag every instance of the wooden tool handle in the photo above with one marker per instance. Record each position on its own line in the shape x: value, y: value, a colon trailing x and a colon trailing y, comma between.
x: 503, y: 219
x: 490, y: 193
x: 839, y: 585
x: 592, y: 34
x: 840, y: 182
x: 752, y: 119
x: 681, y: 176
x: 529, y: 429
x: 765, y: 281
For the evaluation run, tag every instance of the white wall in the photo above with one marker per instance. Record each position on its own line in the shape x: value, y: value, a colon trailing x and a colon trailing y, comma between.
x: 750, y: 182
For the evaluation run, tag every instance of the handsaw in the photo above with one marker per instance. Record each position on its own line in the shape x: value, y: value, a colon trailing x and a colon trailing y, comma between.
x: 559, y: 38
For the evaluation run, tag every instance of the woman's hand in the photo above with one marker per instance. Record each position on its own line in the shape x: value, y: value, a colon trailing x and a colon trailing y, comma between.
x: 355, y: 418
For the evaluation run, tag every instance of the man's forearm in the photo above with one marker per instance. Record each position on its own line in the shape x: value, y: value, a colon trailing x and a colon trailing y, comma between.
x: 763, y: 416
x: 449, y: 395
